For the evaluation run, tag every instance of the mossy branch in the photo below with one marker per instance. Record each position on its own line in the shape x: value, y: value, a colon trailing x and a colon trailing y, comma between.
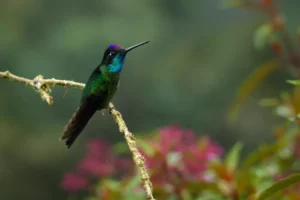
x: 43, y: 87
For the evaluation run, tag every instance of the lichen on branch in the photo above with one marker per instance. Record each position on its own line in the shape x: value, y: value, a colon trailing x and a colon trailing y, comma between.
x: 43, y: 87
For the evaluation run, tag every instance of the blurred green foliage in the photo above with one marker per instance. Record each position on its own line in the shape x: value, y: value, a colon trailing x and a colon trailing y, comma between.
x: 199, y: 55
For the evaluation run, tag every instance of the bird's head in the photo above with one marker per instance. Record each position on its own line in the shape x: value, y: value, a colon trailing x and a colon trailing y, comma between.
x: 114, y: 56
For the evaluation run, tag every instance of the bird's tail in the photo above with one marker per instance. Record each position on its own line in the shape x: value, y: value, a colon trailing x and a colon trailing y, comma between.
x: 79, y: 120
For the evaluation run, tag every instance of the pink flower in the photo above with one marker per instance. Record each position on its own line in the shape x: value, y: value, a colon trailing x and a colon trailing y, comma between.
x: 97, y: 147
x: 174, y: 138
x: 98, y: 161
x: 198, y: 157
x: 180, y: 155
x: 124, y: 164
x: 209, y: 149
x: 97, y: 167
x: 72, y: 182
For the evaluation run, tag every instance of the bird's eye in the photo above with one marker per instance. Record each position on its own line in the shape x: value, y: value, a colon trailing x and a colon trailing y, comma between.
x: 112, y: 53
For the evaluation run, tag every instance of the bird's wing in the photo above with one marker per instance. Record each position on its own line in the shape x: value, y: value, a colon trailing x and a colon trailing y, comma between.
x: 80, y: 118
x: 93, y: 97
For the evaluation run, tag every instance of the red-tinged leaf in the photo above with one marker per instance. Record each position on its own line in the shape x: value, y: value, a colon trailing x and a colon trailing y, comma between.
x: 279, y: 186
x: 246, y: 183
x: 266, y: 3
x: 296, y: 100
x: 248, y: 86
x: 277, y: 23
x: 276, y: 47
x: 279, y: 132
x: 222, y: 171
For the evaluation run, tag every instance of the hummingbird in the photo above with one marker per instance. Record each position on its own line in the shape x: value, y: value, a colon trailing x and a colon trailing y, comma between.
x: 98, y: 91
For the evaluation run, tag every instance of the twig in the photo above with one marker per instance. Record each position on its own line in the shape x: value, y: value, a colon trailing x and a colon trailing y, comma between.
x: 137, y: 157
x: 42, y: 86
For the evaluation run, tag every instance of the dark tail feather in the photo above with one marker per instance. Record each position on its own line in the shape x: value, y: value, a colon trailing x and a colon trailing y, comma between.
x: 79, y: 120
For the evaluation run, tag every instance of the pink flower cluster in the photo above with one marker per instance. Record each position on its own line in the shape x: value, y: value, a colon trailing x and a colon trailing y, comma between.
x: 179, y: 155
x: 175, y: 156
x: 98, y: 161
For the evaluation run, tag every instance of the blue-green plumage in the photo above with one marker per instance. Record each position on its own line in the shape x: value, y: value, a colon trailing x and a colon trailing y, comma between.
x: 98, y: 91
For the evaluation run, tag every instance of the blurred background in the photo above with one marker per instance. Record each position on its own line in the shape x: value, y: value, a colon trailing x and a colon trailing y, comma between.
x: 198, y: 56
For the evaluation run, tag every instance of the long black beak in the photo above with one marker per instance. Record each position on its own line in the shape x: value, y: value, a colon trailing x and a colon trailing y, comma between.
x: 135, y: 46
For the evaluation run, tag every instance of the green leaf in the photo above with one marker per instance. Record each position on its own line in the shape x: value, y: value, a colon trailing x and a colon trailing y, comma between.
x: 112, y: 184
x: 120, y: 147
x: 130, y: 191
x: 249, y: 85
x: 132, y: 184
x: 233, y: 157
x: 269, y: 102
x: 261, y: 36
x: 262, y: 153
x: 294, y: 82
x: 185, y: 195
x: 146, y: 147
x: 279, y: 186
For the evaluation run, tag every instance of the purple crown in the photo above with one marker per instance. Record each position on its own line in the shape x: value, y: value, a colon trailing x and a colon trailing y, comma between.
x: 114, y: 46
